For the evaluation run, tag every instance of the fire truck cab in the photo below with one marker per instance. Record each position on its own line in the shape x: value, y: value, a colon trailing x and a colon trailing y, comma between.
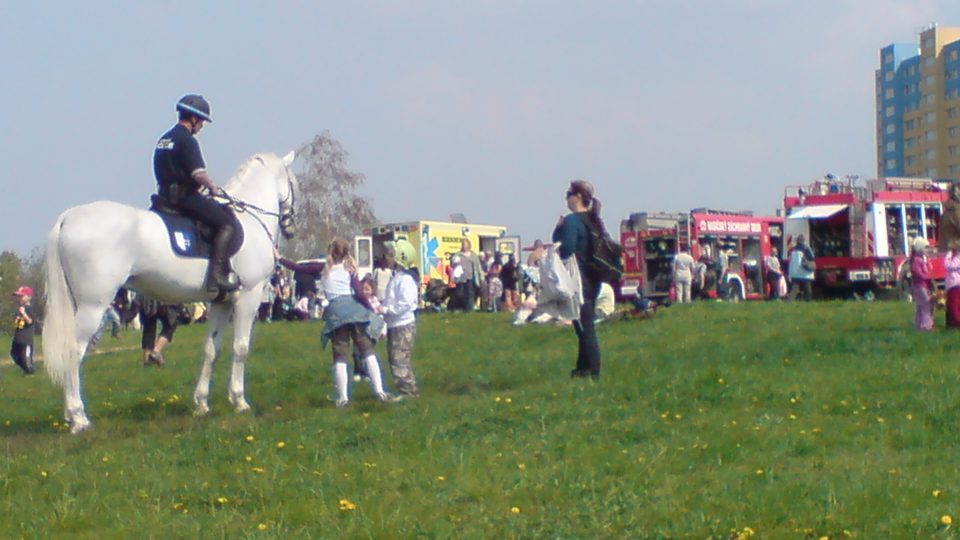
x: 860, y: 232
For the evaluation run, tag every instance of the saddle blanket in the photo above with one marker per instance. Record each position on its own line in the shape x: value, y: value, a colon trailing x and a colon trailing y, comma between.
x: 187, y: 239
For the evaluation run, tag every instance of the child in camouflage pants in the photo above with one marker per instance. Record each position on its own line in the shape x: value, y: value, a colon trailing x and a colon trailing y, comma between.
x: 400, y: 302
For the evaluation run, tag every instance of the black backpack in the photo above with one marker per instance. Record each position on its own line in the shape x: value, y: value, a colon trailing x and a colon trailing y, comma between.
x: 605, y: 261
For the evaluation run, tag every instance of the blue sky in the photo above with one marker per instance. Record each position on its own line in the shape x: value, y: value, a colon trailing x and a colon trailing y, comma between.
x: 482, y: 108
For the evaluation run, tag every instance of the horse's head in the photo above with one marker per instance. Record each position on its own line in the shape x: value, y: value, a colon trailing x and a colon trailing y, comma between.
x: 288, y: 197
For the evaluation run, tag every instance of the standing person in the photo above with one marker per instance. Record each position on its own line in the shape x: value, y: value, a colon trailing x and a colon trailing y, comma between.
x: 683, y: 269
x: 153, y: 312
x: 24, y: 328
x: 952, y: 284
x: 802, y: 269
x: 472, y: 276
x: 921, y: 284
x: 180, y: 170
x: 347, y: 320
x: 399, y: 310
x: 573, y: 232
x: 508, y: 276
x: 774, y: 273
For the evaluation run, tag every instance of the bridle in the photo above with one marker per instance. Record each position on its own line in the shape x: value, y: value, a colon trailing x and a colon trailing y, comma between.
x: 285, y: 219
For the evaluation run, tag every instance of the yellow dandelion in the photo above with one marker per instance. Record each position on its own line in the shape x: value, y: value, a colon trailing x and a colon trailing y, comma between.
x: 6, y: 423
x: 909, y: 417
x: 442, y: 478
x: 515, y: 510
x: 720, y: 380
x: 178, y: 506
x: 936, y: 493
x: 366, y: 415
x: 508, y: 400
x: 257, y: 469
x: 521, y: 466
x: 248, y: 459
x: 824, y: 537
x: 881, y: 419
x: 793, y: 416
x: 281, y: 444
x: 221, y: 500
x: 104, y: 459
x: 347, y: 506
x: 678, y: 416
x: 261, y: 526
x: 759, y: 471
x: 946, y: 519
x: 497, y: 399
x: 43, y: 474
x: 249, y: 438
x: 277, y: 408
x: 150, y: 399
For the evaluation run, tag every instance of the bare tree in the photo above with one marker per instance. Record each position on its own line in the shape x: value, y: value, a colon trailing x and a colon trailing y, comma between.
x: 329, y: 204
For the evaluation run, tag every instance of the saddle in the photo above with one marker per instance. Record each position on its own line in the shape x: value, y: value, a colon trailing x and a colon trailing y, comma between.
x: 190, y: 237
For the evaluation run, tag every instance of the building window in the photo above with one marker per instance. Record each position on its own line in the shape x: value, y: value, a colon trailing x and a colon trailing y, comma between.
x: 930, y: 136
x: 909, y: 161
x: 932, y: 172
x: 888, y: 58
x: 929, y: 61
x: 954, y: 55
x: 891, y: 146
x: 890, y: 129
x: 891, y: 164
x: 931, y: 154
x: 909, y: 124
x: 930, y: 98
x: 953, y: 112
x: 953, y: 132
x: 954, y: 150
x: 928, y: 43
x: 930, y: 118
x: 889, y: 93
x: 888, y: 76
x: 954, y: 170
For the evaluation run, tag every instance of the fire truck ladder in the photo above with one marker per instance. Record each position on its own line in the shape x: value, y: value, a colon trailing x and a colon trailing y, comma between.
x: 683, y: 233
x: 858, y: 230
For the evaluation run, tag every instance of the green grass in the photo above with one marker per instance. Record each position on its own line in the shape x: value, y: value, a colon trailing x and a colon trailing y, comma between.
x: 710, y: 421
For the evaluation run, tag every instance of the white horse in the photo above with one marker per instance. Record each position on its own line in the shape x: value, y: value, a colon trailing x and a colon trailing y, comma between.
x: 94, y: 249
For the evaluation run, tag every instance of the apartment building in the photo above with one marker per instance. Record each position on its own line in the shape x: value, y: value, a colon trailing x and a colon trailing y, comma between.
x: 918, y: 107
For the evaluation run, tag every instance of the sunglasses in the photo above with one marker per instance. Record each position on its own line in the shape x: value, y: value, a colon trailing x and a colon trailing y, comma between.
x: 570, y: 194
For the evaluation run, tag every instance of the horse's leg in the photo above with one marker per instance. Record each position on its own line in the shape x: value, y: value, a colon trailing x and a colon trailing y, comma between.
x: 88, y: 320
x: 216, y: 322
x: 244, y: 313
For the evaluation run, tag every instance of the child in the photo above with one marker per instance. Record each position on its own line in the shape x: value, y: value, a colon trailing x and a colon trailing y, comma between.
x: 399, y: 310
x: 21, y: 350
x: 367, y: 291
x: 347, y: 320
x: 952, y: 284
x: 921, y: 285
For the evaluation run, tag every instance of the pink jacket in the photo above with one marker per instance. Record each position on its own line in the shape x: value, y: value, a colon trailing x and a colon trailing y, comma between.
x: 920, y: 269
x: 951, y: 261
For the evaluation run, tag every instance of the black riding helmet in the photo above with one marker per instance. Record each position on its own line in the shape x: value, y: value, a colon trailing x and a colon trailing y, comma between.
x: 196, y: 105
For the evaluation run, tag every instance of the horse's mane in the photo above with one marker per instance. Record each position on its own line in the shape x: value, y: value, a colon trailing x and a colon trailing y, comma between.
x: 248, y: 168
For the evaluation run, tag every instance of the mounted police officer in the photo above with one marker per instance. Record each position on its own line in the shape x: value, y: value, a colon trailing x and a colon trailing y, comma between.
x: 180, y: 171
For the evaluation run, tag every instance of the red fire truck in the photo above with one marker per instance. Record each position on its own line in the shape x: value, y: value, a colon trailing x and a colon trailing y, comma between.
x: 732, y: 246
x: 860, y: 232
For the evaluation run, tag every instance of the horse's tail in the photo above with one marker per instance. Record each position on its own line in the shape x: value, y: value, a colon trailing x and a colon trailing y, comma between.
x: 59, y: 327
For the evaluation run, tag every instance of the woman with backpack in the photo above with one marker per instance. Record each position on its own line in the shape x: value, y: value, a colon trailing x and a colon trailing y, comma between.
x: 573, y: 233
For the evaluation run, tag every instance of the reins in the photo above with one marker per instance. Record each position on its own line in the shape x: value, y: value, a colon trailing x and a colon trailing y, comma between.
x: 241, y: 207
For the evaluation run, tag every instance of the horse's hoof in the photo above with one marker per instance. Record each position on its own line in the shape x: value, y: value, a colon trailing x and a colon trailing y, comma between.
x: 241, y: 407
x: 80, y: 426
x: 201, y: 410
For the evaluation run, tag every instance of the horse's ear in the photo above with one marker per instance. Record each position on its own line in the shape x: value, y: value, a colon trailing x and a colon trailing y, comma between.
x: 288, y: 159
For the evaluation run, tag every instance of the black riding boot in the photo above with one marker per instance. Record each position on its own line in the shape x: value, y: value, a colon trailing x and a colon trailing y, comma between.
x: 221, y: 276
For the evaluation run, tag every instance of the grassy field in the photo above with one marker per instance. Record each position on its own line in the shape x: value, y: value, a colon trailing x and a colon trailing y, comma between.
x: 710, y: 421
